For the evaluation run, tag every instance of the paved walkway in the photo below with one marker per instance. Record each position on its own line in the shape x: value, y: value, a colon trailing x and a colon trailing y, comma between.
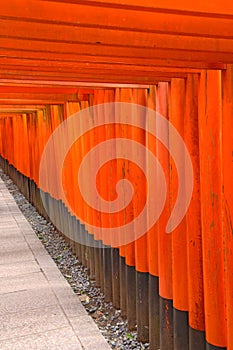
x: 38, y: 309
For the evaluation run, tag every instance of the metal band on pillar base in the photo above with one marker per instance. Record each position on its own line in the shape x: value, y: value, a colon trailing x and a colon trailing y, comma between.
x: 39, y: 203
x: 71, y: 234
x: 87, y: 255
x: 181, y: 330
x: 83, y: 244
x: 76, y: 229
x: 115, y: 259
x: 166, y: 324
x: 142, y: 307
x: 97, y: 265
x: 101, y: 267
x: 212, y: 347
x: 131, y: 296
x: 92, y: 258
x: 154, y: 316
x: 123, y: 290
x: 196, y: 339
x: 107, y: 267
x: 66, y: 223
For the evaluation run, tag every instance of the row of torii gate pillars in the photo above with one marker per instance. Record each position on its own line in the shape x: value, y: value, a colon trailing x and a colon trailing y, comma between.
x: 73, y: 54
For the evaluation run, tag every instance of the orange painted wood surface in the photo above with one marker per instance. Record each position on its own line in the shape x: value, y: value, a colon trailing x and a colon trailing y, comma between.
x: 193, y: 216
x: 164, y: 239
x: 166, y: 6
x: 179, y: 235
x: 75, y: 50
x: 227, y: 196
x: 210, y: 133
x: 59, y: 57
x: 91, y: 14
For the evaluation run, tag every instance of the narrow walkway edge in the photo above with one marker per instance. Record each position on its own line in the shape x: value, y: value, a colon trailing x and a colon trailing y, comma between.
x: 38, y: 308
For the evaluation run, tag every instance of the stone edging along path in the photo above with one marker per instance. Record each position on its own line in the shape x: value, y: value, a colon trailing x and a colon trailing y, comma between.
x: 109, y: 320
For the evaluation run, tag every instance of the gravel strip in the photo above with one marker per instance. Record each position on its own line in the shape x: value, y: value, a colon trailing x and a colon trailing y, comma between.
x: 108, y: 319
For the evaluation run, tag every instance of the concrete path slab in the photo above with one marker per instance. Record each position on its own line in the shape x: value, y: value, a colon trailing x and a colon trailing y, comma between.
x: 38, y: 308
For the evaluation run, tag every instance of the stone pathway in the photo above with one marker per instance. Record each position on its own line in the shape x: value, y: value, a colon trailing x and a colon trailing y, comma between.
x: 38, y: 309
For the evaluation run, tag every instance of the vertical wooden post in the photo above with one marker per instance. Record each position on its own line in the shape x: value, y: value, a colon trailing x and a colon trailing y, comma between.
x: 141, y: 252
x: 193, y: 220
x: 152, y: 245
x: 179, y: 239
x: 227, y: 166
x: 210, y: 133
x: 164, y: 239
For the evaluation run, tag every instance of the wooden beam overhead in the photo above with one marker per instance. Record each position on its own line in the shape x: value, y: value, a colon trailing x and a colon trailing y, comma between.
x: 45, y: 90
x: 12, y: 111
x: 112, y: 42
x: 15, y: 106
x: 7, y: 109
x: 75, y: 50
x: 102, y: 80
x: 63, y: 57
x: 17, y: 101
x: 50, y: 83
x: 38, y: 96
x: 87, y: 68
x: 216, y: 7
x: 113, y: 37
x: 161, y: 65
x: 96, y: 14
x: 96, y: 77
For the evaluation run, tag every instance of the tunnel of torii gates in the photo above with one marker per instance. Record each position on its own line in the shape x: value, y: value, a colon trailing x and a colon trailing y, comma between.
x: 58, y: 58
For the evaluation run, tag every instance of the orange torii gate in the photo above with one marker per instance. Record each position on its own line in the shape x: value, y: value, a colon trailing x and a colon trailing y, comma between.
x: 57, y: 57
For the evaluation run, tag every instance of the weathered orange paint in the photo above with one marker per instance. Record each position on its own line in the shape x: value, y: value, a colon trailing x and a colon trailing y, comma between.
x: 227, y: 196
x: 152, y: 234
x: 164, y: 239
x: 70, y: 50
x: 210, y: 133
x: 104, y: 16
x: 179, y: 235
x: 193, y: 216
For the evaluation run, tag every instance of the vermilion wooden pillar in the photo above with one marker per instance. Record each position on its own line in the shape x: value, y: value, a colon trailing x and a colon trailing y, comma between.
x: 164, y: 239
x: 227, y: 196
x: 179, y: 235
x: 210, y: 133
x: 193, y: 219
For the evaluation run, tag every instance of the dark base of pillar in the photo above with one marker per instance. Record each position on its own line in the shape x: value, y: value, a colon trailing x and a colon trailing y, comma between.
x: 142, y: 306
x: 181, y: 330
x: 166, y: 325
x: 131, y: 297
x: 154, y: 315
